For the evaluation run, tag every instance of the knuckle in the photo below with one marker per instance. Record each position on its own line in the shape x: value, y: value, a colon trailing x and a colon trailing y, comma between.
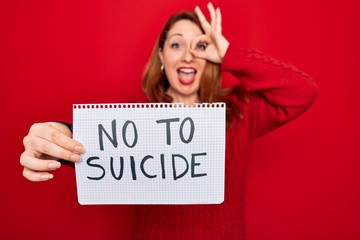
x: 44, y: 147
x: 24, y: 173
x: 26, y: 140
x: 22, y: 160
x: 54, y: 136
x: 27, y: 175
x: 34, y: 127
x: 33, y: 132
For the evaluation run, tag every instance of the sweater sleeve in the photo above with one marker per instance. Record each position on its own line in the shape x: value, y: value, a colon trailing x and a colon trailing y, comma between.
x: 277, y: 92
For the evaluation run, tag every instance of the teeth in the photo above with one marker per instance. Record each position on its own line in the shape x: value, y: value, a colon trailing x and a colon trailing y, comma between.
x: 188, y: 71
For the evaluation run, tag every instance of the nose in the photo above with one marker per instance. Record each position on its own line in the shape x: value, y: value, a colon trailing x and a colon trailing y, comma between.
x: 187, y: 56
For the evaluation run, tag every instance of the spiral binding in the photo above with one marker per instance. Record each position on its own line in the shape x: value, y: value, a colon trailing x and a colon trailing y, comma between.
x: 148, y: 105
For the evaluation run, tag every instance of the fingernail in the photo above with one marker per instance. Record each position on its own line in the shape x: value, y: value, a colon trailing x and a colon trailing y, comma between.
x: 46, y: 177
x: 75, y: 158
x: 54, y: 165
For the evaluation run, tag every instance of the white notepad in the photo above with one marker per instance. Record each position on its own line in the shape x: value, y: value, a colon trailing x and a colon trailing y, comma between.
x: 163, y: 153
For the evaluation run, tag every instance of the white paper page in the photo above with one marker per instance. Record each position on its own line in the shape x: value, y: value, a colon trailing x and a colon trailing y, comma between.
x: 150, y: 153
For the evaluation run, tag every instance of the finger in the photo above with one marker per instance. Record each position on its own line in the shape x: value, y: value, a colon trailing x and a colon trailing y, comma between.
x: 64, y: 138
x: 43, y: 146
x: 200, y: 38
x: 198, y: 54
x: 218, y: 24
x: 29, y: 160
x: 57, y: 133
x: 204, y: 23
x: 212, y: 15
x: 36, y: 176
x: 61, y: 127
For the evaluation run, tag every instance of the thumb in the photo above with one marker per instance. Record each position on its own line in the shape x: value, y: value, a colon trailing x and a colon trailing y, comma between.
x: 200, y: 39
x: 198, y: 54
x: 195, y: 50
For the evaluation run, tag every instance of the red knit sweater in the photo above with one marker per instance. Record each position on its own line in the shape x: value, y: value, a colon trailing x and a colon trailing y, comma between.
x: 277, y: 93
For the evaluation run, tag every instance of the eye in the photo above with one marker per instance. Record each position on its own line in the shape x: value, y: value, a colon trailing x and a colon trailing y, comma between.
x: 201, y: 46
x: 175, y: 45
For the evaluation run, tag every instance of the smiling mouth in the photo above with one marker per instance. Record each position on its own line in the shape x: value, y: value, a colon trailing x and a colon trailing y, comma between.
x: 186, y: 75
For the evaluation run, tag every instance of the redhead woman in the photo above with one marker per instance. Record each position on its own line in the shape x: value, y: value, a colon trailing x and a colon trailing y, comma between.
x: 186, y: 66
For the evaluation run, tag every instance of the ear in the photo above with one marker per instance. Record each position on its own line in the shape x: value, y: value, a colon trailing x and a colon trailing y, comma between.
x: 161, y: 55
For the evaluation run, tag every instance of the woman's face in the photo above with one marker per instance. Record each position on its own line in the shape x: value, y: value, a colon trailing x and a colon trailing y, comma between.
x: 181, y: 68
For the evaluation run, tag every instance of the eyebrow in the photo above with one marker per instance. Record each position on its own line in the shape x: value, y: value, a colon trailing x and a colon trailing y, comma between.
x: 179, y: 34
x: 175, y: 34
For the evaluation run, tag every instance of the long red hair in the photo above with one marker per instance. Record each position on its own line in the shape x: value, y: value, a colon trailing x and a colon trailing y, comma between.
x: 155, y: 82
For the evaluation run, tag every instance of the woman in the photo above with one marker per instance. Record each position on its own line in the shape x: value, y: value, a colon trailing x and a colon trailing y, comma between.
x: 185, y: 66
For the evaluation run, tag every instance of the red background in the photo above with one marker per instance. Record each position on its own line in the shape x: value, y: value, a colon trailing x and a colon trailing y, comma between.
x: 303, y: 179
